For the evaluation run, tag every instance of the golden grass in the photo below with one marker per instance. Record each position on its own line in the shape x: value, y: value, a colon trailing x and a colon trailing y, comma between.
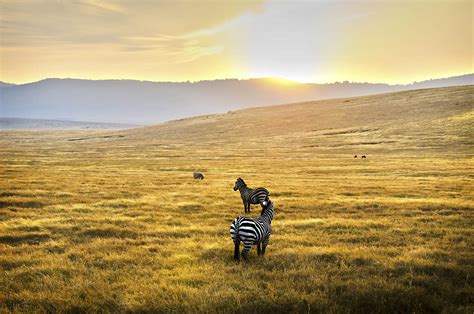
x: 118, y: 224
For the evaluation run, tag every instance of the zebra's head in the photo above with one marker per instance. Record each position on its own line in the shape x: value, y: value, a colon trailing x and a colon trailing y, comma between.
x: 268, y: 209
x: 238, y: 184
x: 268, y: 204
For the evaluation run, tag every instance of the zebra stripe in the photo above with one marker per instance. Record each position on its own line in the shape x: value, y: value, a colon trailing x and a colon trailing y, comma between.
x: 251, y: 196
x: 252, y: 231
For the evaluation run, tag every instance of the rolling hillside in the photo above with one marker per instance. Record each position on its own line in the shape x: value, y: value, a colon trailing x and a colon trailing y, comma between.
x: 420, y: 120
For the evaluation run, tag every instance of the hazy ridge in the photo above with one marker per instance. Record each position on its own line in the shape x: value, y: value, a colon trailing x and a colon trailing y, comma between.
x: 23, y: 124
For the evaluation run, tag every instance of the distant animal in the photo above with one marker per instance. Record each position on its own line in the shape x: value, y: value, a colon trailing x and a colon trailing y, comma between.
x: 251, y: 196
x: 252, y: 231
x: 198, y: 175
x: 355, y: 156
x: 363, y: 156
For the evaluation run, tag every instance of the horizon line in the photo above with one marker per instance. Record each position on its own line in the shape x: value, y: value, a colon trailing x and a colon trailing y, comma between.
x: 236, y: 79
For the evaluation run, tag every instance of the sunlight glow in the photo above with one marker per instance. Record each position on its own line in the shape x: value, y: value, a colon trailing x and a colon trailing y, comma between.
x: 303, y: 41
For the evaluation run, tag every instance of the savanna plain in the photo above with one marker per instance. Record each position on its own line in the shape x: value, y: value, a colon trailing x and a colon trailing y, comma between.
x: 113, y: 221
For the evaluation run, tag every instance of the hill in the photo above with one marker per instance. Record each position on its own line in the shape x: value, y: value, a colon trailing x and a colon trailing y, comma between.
x: 126, y: 101
x: 113, y: 221
x: 419, y: 120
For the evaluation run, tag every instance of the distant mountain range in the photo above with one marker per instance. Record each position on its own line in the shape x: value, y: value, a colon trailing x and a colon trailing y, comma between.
x: 25, y: 124
x: 142, y: 102
x: 3, y: 84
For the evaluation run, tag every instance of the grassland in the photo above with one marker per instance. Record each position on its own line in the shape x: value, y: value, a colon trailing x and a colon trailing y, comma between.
x: 113, y: 221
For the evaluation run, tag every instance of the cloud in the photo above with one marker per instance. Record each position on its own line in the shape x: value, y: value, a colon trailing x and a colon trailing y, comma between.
x: 170, y: 31
x: 172, y: 49
x: 104, y: 5
x: 84, y: 21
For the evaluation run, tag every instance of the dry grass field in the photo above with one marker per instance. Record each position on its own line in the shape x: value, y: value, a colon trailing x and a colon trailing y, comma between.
x: 112, y: 221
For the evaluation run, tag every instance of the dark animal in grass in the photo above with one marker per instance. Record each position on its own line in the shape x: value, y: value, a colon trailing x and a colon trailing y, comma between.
x: 363, y: 156
x: 251, y: 196
x: 198, y: 176
x: 252, y: 231
x: 355, y: 156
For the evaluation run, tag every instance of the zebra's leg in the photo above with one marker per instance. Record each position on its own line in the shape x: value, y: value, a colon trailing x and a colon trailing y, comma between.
x: 247, y: 247
x: 264, y: 245
x: 245, y: 206
x: 236, y: 249
x: 259, y: 250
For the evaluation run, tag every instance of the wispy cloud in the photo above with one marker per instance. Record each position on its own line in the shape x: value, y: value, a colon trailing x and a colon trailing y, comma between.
x: 103, y: 5
x: 174, y: 49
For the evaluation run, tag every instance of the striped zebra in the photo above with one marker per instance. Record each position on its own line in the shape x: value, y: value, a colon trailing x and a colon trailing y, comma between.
x: 252, y: 231
x: 251, y: 196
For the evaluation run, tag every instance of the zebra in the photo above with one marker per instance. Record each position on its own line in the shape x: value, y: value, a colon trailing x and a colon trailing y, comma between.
x: 198, y: 175
x: 252, y: 231
x: 251, y: 196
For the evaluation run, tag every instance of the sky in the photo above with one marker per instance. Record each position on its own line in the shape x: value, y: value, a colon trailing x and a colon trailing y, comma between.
x: 306, y: 41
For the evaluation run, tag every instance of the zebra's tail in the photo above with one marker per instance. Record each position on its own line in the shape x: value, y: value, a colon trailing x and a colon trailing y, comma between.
x: 237, y: 226
x: 234, y: 229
